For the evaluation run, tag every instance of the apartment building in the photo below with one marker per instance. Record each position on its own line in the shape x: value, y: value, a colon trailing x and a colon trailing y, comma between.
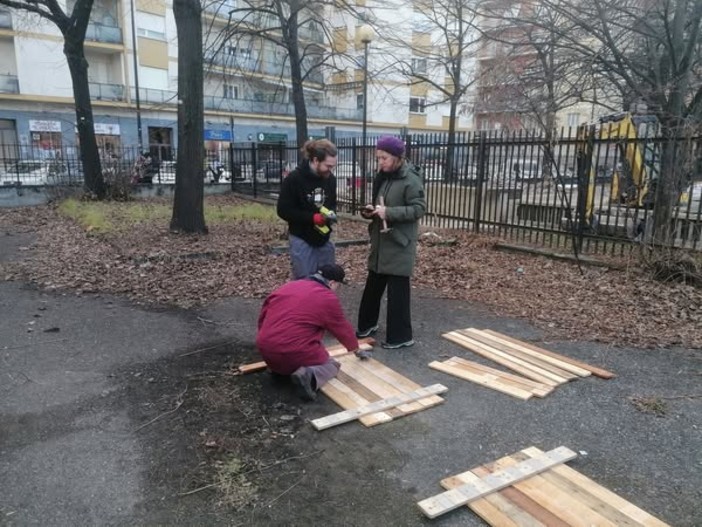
x: 510, y: 92
x: 246, y: 97
x: 402, y: 48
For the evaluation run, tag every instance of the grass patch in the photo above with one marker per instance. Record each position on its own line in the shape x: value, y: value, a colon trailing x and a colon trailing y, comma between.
x: 235, y: 489
x: 109, y: 216
x: 650, y: 405
x: 217, y: 214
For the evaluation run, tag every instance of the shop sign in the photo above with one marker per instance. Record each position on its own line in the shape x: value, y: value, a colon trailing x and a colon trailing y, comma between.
x: 44, y: 126
x: 272, y: 138
x: 106, y: 129
x: 218, y: 135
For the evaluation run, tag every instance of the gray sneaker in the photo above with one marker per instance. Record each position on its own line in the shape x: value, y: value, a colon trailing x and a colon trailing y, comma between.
x: 366, y: 332
x: 304, y: 382
x: 389, y: 346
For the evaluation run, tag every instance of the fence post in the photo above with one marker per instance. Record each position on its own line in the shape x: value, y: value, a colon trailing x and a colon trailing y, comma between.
x: 254, y: 169
x: 482, y: 164
x: 354, y: 175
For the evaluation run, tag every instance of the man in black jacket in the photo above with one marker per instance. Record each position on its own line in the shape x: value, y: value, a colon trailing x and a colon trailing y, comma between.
x: 307, y: 202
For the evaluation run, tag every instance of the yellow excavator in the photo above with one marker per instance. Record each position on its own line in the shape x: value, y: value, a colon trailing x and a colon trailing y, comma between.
x: 636, y: 159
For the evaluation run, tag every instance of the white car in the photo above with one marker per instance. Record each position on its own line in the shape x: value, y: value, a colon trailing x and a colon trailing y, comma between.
x: 33, y: 172
x: 691, y: 198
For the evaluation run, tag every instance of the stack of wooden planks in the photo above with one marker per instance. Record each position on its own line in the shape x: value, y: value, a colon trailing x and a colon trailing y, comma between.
x: 539, y: 370
x: 336, y: 350
x: 362, y: 382
x: 544, y: 496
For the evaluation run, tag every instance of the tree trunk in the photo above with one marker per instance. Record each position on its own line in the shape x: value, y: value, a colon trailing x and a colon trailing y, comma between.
x: 92, y: 171
x: 188, y: 204
x: 298, y: 95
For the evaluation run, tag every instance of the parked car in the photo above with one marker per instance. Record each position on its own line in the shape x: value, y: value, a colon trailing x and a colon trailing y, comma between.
x: 34, y: 172
x: 271, y: 170
x: 166, y: 172
x: 691, y: 198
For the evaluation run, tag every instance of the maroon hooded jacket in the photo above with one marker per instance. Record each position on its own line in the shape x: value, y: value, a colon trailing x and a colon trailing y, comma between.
x: 292, y: 323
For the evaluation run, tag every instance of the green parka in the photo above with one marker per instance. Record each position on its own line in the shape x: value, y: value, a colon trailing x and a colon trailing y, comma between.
x: 394, y: 252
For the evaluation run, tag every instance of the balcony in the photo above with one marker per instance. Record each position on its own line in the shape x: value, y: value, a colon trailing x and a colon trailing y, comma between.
x: 219, y: 9
x: 106, y: 92
x: 9, y: 84
x: 228, y: 60
x: 152, y: 96
x: 5, y: 20
x: 279, y: 108
x: 103, y: 33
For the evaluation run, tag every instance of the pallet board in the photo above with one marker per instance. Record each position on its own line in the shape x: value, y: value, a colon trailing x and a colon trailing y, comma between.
x: 532, y: 364
x: 362, y: 382
x: 335, y: 351
x: 464, y: 493
x: 559, y: 496
x: 383, y: 404
x: 501, y: 381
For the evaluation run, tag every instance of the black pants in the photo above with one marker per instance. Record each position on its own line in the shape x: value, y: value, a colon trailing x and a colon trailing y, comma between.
x: 399, y: 323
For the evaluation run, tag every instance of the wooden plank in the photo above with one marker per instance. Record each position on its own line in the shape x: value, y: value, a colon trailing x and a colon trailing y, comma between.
x: 513, y: 350
x: 502, y: 358
x: 484, y: 379
x: 336, y: 350
x: 524, y: 505
x: 553, y: 498
x: 347, y: 398
x: 603, y: 494
x: 525, y: 347
x: 537, y: 388
x: 494, y: 508
x: 351, y: 415
x: 519, y: 360
x: 401, y: 382
x: 598, y: 372
x: 459, y: 496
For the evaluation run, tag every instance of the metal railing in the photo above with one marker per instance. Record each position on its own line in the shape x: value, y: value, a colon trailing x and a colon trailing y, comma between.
x: 9, y: 84
x: 106, y: 92
x: 519, y: 186
x: 102, y: 33
x: 5, y: 19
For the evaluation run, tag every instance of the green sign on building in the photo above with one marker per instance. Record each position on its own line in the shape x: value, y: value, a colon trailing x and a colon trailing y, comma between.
x: 271, y: 138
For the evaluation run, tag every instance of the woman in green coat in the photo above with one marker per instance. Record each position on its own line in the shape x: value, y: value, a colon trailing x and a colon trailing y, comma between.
x: 398, y: 203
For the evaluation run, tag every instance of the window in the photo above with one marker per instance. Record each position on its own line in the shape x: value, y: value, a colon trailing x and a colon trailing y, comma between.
x: 573, y: 119
x: 151, y: 26
x: 359, y: 101
x: 419, y: 65
x: 417, y: 105
x: 231, y: 92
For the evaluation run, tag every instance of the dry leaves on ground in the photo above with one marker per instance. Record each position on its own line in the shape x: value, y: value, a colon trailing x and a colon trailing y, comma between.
x: 151, y: 265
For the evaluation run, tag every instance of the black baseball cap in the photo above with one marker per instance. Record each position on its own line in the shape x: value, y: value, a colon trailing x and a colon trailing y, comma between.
x: 333, y: 272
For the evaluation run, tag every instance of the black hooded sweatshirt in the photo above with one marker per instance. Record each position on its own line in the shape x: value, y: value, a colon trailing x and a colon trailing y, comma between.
x: 301, y: 196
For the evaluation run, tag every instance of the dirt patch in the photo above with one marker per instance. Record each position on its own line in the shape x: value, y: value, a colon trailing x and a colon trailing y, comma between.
x: 235, y: 450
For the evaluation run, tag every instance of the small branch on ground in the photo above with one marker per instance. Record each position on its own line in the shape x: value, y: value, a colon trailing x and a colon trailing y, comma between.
x: 200, y: 350
x: 179, y: 403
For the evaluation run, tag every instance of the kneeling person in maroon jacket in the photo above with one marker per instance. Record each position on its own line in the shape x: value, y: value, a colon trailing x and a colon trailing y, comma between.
x: 292, y: 324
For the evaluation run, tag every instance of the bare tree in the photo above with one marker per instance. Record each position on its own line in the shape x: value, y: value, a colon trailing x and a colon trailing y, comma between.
x: 292, y: 27
x: 73, y: 28
x: 534, y: 72
x: 650, y: 51
x: 438, y: 62
x: 188, y: 204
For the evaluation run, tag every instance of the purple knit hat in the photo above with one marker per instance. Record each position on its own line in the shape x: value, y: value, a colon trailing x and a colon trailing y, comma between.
x: 391, y: 145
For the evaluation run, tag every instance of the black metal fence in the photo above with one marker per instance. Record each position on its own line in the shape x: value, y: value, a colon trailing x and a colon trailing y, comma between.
x: 584, y: 187
x: 592, y: 189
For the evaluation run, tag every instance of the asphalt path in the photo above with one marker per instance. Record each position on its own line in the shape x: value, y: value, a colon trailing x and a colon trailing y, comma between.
x: 70, y: 457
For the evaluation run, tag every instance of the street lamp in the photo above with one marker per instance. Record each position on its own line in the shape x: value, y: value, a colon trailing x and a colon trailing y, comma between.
x: 365, y: 34
x: 136, y: 80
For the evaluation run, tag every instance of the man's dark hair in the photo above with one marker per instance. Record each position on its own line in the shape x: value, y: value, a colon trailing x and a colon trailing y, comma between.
x: 319, y: 149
